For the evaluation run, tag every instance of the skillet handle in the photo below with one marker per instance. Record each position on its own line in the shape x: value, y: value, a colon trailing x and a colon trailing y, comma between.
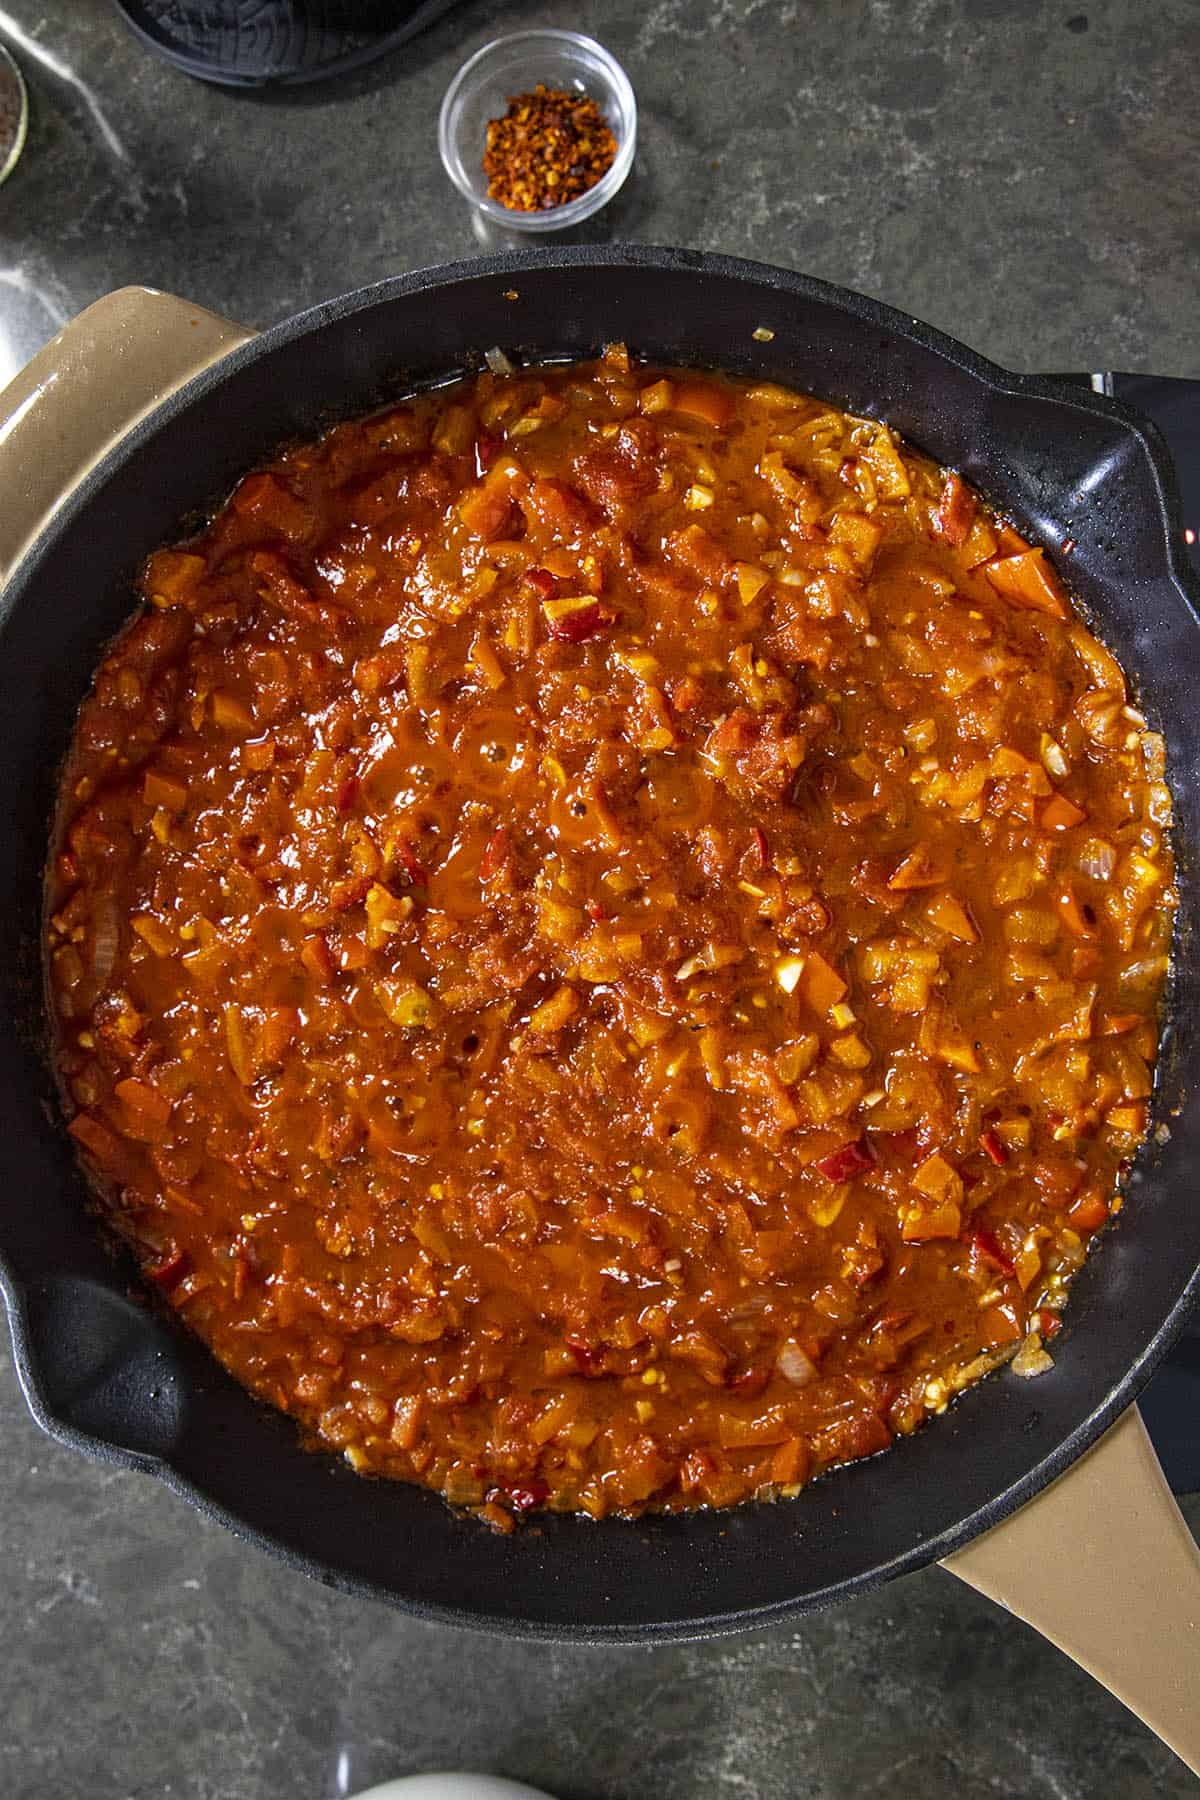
x: 1103, y: 1564
x: 103, y: 372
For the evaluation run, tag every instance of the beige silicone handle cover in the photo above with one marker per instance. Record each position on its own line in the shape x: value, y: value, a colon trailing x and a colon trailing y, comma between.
x: 103, y: 372
x: 1103, y: 1564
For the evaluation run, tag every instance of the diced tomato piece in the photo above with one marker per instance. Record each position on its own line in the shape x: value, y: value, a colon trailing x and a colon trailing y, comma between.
x: 144, y: 1101
x: 350, y: 893
x: 264, y: 499
x: 999, y: 1325
x: 993, y: 1148
x: 908, y: 1145
x: 704, y: 400
x: 162, y: 790
x: 169, y: 1269
x: 487, y: 448
x: 586, y: 1356
x: 843, y: 1164
x: 542, y: 581
x: 752, y: 1380
x: 314, y: 954
x: 1060, y: 814
x: 558, y: 508
x: 955, y: 511
x: 1029, y: 581
x: 1009, y: 541
x: 575, y: 621
x: 986, y: 1245
x: 1089, y: 1212
x: 100, y: 1143
x: 526, y: 1494
x: 347, y: 794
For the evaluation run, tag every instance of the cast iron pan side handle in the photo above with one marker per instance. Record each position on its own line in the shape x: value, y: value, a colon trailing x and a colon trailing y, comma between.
x: 1103, y: 1564
x: 103, y: 372
x: 99, y: 1371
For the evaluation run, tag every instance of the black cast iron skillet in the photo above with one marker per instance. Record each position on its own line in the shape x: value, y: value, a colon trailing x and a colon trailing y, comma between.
x: 111, y: 1376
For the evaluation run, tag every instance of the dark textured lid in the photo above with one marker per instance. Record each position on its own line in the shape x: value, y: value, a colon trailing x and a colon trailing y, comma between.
x: 251, y: 43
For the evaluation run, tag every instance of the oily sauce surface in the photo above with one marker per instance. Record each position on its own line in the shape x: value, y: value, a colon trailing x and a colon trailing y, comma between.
x: 606, y: 936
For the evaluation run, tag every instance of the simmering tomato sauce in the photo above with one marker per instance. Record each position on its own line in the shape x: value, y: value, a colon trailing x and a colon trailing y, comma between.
x: 605, y: 938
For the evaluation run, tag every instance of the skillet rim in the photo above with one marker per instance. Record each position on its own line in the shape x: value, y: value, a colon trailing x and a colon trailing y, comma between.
x: 996, y: 379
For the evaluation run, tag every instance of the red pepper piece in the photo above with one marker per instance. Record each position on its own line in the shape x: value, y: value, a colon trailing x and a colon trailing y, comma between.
x: 987, y: 1245
x: 526, y: 1494
x: 542, y: 581
x: 347, y: 794
x: 416, y: 871
x: 595, y: 911
x: 992, y: 1147
x: 955, y: 511
x: 587, y: 1358
x: 850, y: 1160
x: 169, y: 1270
x: 1049, y: 1323
x: 486, y: 450
x: 581, y: 623
x: 905, y: 1144
x: 761, y: 848
x: 495, y: 854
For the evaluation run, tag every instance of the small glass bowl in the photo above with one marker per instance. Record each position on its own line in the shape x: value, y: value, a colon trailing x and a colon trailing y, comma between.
x: 512, y: 65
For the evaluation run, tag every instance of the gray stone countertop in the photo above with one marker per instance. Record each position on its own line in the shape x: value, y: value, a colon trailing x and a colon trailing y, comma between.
x: 1019, y: 172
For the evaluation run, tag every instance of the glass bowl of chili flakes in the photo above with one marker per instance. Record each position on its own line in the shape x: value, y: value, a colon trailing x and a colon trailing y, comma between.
x: 538, y: 67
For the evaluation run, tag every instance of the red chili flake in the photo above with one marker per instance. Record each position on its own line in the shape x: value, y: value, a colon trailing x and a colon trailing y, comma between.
x: 495, y: 854
x: 487, y: 448
x: 595, y: 911
x: 543, y: 582
x: 850, y: 1160
x: 762, y: 848
x: 551, y: 145
x: 581, y: 623
x: 169, y: 1270
x: 347, y: 794
x: 416, y: 871
x: 1068, y: 545
x: 987, y: 1245
x: 992, y: 1147
x: 524, y: 1495
x: 1049, y: 1322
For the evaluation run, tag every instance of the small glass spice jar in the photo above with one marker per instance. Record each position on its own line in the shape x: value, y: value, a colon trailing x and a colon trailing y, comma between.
x: 481, y: 92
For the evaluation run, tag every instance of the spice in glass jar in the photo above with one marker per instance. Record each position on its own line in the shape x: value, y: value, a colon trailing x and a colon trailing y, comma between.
x: 550, y: 147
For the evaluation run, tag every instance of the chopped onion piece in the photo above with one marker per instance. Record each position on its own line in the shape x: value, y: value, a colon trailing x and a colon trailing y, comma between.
x: 497, y: 362
x: 788, y: 971
x: 105, y: 937
x: 1098, y: 859
x: 1031, y: 1359
x: 795, y: 1365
